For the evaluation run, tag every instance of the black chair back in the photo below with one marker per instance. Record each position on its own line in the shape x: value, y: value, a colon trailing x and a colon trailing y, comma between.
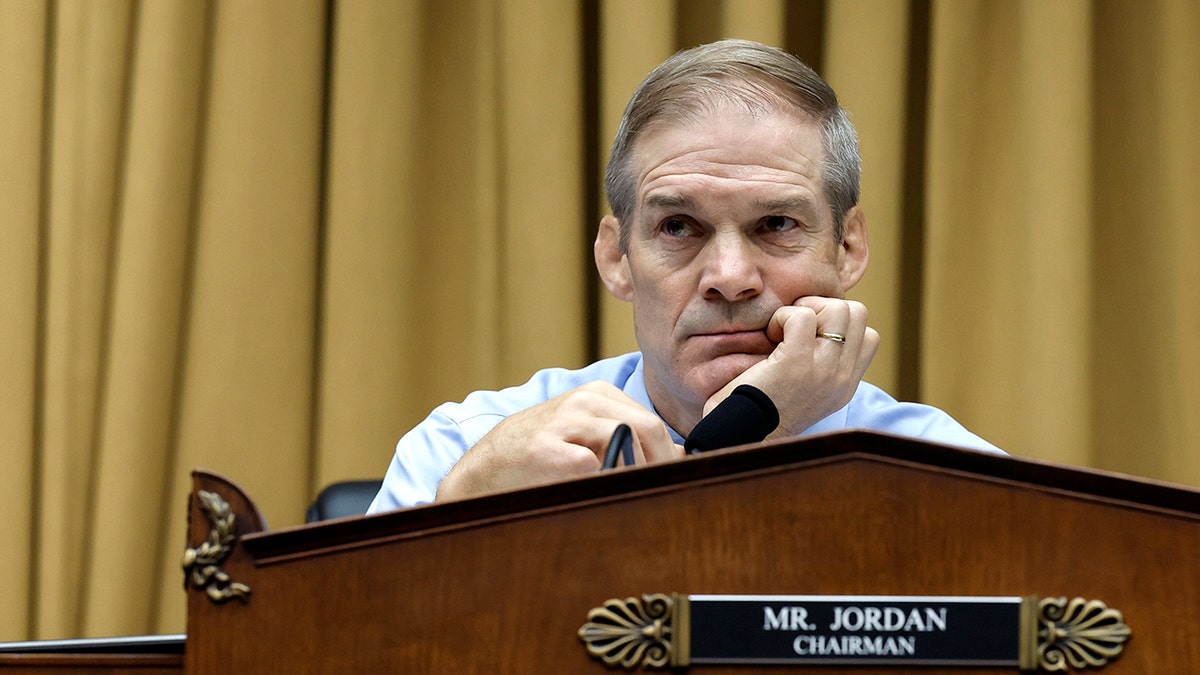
x: 342, y: 499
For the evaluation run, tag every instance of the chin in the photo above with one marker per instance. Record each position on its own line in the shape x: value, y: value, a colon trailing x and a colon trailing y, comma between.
x: 722, y: 370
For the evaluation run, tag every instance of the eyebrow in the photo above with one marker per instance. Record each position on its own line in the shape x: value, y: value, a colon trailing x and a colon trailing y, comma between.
x: 804, y: 206
x: 670, y: 201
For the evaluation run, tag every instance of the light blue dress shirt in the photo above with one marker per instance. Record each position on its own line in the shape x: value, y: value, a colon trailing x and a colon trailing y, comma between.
x: 425, y: 454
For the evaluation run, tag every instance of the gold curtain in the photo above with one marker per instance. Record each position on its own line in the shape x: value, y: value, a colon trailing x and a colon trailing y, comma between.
x: 265, y: 238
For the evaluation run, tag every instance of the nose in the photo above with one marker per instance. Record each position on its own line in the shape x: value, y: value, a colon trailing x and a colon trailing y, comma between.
x: 730, y: 269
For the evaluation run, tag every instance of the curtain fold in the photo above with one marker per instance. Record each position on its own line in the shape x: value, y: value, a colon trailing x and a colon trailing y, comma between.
x: 23, y: 73
x: 1007, y: 300
x: 1147, y: 208
x: 265, y: 238
x: 873, y: 85
x: 85, y: 156
x: 453, y: 200
x: 147, y: 318
x: 248, y: 362
x: 634, y: 38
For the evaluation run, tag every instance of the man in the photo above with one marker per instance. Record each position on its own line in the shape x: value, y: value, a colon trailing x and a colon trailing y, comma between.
x: 735, y: 233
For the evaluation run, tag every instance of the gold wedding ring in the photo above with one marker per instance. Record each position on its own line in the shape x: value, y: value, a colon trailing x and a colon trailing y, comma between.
x: 841, y: 339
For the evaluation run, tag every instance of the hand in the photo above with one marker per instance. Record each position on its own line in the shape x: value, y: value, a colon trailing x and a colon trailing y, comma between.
x: 563, y: 438
x: 810, y: 377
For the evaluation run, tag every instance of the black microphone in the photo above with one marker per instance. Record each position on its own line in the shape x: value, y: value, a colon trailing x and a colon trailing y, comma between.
x: 747, y: 416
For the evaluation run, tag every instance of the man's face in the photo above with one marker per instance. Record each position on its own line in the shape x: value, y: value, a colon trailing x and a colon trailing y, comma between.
x: 731, y: 222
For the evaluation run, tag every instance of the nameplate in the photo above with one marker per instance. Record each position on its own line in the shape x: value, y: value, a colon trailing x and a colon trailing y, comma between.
x: 675, y: 631
x: 854, y: 630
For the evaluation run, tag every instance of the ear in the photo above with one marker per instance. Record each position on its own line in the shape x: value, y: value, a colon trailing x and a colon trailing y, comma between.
x: 611, y: 262
x: 854, y: 252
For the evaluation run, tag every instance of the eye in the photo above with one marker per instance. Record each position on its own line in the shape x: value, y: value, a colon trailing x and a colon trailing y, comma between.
x: 779, y: 223
x: 677, y: 227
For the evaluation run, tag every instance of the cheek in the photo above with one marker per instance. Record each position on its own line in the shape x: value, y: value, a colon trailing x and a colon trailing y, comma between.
x: 660, y: 297
x: 651, y: 323
x: 656, y: 315
x: 802, y: 279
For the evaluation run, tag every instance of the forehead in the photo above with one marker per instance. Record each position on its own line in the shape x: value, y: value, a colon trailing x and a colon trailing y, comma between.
x: 730, y: 153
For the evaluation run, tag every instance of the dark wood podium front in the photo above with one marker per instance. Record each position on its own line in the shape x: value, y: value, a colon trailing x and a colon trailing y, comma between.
x: 502, y: 584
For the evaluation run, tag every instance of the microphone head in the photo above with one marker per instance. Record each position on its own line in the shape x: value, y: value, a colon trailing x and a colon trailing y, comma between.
x: 747, y: 416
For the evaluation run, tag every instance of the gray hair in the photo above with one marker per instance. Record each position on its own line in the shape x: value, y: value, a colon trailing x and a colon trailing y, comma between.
x: 756, y: 77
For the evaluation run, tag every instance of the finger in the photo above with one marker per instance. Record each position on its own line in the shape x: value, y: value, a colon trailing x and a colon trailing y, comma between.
x: 870, y: 345
x: 603, y: 407
x: 654, y: 446
x: 554, y: 459
x: 833, y: 315
x: 792, y: 320
x: 652, y: 441
x: 802, y: 328
x: 588, y: 431
x: 840, y: 318
x: 817, y: 303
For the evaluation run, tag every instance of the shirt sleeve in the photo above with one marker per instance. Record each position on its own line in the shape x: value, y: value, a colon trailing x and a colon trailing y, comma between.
x: 874, y: 409
x: 424, y: 456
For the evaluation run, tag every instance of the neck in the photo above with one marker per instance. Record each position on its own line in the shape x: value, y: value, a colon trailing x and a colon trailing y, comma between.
x: 679, y: 415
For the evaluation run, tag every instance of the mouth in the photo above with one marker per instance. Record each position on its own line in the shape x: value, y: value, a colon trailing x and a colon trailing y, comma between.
x: 735, y: 341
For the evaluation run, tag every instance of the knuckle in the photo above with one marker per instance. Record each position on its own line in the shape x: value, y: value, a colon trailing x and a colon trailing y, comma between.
x: 575, y: 460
